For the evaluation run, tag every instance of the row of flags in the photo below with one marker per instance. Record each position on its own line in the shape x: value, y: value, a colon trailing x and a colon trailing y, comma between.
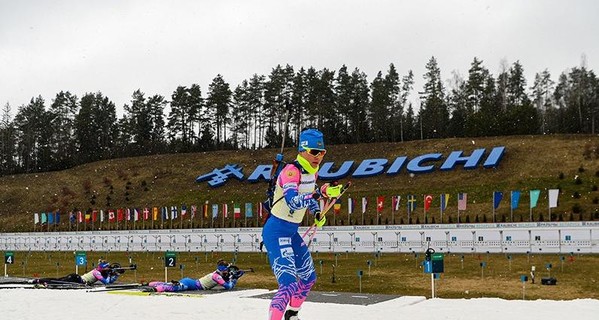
x: 553, y: 195
x: 154, y: 213
x: 444, y: 201
x: 175, y: 212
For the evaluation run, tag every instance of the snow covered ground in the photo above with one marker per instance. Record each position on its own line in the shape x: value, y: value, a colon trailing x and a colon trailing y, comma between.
x: 79, y: 304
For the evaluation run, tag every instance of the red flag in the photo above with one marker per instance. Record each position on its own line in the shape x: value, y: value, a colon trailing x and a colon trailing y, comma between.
x: 428, y: 199
x: 80, y: 216
x: 111, y: 215
x: 337, y: 207
x: 146, y: 213
x: 94, y: 215
x: 119, y: 214
x: 379, y: 204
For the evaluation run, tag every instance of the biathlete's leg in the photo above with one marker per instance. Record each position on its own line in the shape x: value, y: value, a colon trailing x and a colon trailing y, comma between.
x: 282, y: 262
x: 305, y: 272
x: 162, y: 286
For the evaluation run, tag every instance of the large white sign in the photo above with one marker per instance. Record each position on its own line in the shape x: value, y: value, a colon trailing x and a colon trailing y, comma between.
x: 539, y: 237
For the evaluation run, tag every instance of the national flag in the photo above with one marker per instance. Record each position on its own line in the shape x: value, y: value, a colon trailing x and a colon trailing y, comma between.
x: 260, y: 209
x: 364, y: 204
x: 428, y: 200
x: 194, y: 210
x: 337, y: 206
x: 497, y: 196
x: 553, y: 195
x: 102, y: 216
x: 79, y: 216
x: 351, y: 204
x: 164, y: 213
x: 57, y: 217
x: 183, y: 211
x: 206, y: 209
x: 236, y: 211
x: 88, y: 217
x: 155, y: 213
x: 214, y: 211
x: 119, y: 214
x: 44, y: 218
x: 462, y: 201
x: 174, y: 212
x: 534, y: 198
x: 380, y: 201
x: 72, y: 217
x: 226, y: 210
x: 50, y: 217
x: 515, y: 199
x: 444, y: 201
x: 248, y: 210
x: 95, y: 215
x: 411, y: 203
x: 128, y: 214
x: 135, y: 214
x: 146, y: 213
x: 111, y: 216
x: 36, y: 218
x: 395, y: 200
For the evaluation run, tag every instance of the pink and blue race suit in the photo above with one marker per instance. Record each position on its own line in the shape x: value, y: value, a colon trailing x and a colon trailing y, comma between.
x: 288, y: 254
x: 207, y: 282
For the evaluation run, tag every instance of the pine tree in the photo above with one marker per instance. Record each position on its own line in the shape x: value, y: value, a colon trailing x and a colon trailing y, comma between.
x: 8, y: 142
x: 434, y: 114
x: 95, y: 128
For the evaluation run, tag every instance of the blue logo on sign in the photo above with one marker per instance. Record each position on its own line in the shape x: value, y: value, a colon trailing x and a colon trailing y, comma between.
x: 218, y: 177
x: 371, y: 167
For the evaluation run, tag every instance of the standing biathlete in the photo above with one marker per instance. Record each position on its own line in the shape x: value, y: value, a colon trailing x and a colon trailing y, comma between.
x: 295, y: 192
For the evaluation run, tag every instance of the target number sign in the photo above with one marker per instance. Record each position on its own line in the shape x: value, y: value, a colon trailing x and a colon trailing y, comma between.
x: 9, y: 257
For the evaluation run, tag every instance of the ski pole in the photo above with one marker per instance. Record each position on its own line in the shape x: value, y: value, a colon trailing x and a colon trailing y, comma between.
x: 327, y: 207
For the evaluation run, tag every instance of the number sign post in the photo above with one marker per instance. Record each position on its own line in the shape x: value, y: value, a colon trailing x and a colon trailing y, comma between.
x: 170, y: 261
x: 9, y: 258
x: 80, y: 260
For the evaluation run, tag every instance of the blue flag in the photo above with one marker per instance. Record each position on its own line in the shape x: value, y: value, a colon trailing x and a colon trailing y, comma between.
x: 515, y: 199
x: 534, y: 197
x: 411, y: 203
x: 57, y: 217
x: 50, y: 218
x: 214, y: 210
x: 497, y: 196
x: 248, y: 210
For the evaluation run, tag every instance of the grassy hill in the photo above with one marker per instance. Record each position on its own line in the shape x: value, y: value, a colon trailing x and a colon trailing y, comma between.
x: 568, y: 162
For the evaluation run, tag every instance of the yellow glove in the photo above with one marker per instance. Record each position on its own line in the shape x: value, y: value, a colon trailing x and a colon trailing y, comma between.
x: 319, y: 219
x: 330, y: 191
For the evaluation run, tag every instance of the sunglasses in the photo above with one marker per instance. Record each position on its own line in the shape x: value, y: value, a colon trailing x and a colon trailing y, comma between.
x: 316, y: 152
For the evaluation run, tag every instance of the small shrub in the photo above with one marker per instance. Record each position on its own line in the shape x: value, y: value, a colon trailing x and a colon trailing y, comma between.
x: 594, y: 188
x: 577, y: 180
x: 576, y: 208
x: 596, y: 200
x: 561, y: 176
x: 581, y: 169
x: 576, y: 195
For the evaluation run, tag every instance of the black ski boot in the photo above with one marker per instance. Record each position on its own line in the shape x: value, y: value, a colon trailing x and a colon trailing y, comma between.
x: 291, y: 315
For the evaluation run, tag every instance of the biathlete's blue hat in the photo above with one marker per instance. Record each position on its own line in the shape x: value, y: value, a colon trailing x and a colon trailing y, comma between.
x: 312, y: 139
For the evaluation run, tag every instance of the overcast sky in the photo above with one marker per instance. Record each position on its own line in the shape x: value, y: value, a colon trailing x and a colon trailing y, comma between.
x: 118, y: 46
